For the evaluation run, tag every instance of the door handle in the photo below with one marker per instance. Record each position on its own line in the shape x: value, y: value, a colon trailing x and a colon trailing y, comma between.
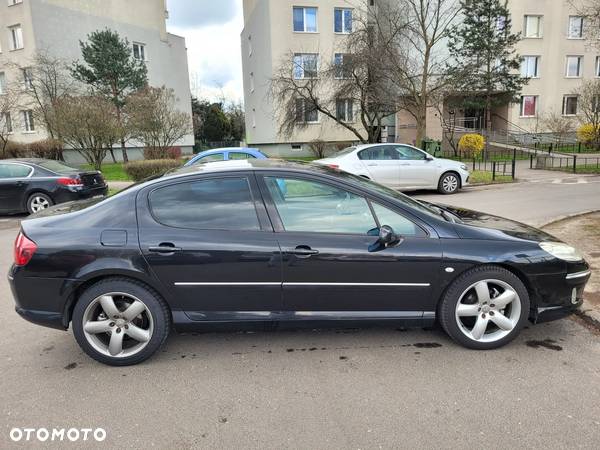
x: 303, y: 251
x: 165, y: 248
x: 372, y: 165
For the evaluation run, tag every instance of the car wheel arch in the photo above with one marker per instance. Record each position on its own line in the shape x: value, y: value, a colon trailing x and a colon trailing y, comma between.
x: 34, y: 191
x: 454, y: 172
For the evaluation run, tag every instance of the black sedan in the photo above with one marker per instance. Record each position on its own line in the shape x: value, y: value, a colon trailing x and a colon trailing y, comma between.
x: 262, y: 242
x: 32, y: 185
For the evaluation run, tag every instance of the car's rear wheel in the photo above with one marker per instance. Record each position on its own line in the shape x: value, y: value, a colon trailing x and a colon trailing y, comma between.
x: 38, y: 202
x: 120, y: 322
x: 485, y: 308
x: 449, y: 183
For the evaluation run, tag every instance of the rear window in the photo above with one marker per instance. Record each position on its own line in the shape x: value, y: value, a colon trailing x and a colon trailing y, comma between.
x: 57, y: 167
x: 345, y: 151
x: 215, y: 204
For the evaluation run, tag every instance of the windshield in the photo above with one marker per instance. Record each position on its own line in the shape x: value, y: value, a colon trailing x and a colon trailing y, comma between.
x: 57, y: 167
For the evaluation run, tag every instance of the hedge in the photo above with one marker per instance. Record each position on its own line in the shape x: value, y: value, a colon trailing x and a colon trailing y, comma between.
x: 140, y: 170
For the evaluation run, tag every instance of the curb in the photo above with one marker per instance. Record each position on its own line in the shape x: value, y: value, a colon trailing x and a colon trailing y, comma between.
x: 568, y: 216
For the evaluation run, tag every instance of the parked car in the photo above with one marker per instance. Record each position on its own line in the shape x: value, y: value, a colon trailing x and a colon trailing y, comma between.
x: 226, y: 154
x: 32, y: 185
x: 401, y: 166
x: 223, y: 243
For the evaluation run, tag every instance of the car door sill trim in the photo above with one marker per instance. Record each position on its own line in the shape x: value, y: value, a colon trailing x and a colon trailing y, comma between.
x: 274, y: 283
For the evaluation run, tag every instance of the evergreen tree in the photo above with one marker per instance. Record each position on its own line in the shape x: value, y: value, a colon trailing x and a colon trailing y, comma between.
x: 111, y: 71
x: 485, y: 65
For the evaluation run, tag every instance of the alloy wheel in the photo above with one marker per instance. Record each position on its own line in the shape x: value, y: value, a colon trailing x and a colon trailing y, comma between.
x: 39, y: 203
x: 118, y: 325
x: 488, y: 310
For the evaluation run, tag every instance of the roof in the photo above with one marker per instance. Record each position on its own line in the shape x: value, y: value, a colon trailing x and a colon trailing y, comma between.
x: 249, y: 164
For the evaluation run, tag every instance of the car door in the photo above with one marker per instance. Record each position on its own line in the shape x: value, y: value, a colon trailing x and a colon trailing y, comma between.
x: 382, y: 164
x: 209, y: 241
x: 14, y: 179
x: 322, y: 229
x: 416, y: 170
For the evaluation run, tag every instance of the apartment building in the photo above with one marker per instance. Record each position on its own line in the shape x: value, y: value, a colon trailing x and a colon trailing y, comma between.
x: 57, y: 26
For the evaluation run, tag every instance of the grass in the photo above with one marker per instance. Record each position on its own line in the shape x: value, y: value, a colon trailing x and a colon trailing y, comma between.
x: 111, y: 172
x: 301, y: 158
x: 484, y: 177
x: 591, y: 168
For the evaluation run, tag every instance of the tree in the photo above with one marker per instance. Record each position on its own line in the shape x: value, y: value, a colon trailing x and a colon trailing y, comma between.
x: 560, y: 126
x: 590, y: 11
x: 416, y: 54
x: 153, y: 118
x: 8, y: 101
x: 237, y: 120
x: 87, y: 124
x: 112, y: 72
x: 484, y: 61
x: 588, y: 104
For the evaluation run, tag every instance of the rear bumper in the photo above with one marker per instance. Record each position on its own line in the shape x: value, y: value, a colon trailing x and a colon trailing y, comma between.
x: 68, y: 195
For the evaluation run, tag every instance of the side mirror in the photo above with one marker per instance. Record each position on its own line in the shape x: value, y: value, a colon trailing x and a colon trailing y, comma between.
x: 429, y: 158
x: 386, y: 238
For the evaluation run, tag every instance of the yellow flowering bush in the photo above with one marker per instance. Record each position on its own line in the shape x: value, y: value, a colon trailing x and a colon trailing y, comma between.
x: 471, y: 144
x: 588, y: 134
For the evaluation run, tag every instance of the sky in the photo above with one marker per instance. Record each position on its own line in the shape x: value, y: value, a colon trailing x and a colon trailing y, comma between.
x: 212, y: 32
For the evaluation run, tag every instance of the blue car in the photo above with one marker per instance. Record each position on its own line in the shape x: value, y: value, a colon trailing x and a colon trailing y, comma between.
x: 225, y: 154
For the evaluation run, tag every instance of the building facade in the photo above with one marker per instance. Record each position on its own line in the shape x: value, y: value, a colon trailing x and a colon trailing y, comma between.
x: 56, y: 27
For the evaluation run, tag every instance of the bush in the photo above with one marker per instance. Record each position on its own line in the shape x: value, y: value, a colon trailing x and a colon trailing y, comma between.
x: 471, y: 144
x: 162, y: 153
x: 15, y: 150
x: 47, y: 148
x: 140, y: 170
x: 589, y: 134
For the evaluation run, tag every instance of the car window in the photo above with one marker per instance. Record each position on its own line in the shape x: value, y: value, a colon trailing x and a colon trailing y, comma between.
x: 14, y: 171
x: 241, y: 155
x: 56, y: 167
x: 211, y: 158
x: 379, y: 153
x: 309, y: 206
x: 410, y: 154
x: 400, y: 224
x: 215, y: 204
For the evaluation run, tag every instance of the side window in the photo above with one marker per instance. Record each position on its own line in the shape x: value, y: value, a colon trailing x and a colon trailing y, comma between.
x: 4, y: 171
x: 241, y: 155
x: 309, y: 206
x: 400, y: 224
x: 14, y: 171
x: 379, y: 153
x: 211, y: 158
x: 216, y: 204
x: 410, y: 154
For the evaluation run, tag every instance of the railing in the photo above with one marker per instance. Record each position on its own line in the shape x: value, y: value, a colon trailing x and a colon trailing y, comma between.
x: 571, y: 163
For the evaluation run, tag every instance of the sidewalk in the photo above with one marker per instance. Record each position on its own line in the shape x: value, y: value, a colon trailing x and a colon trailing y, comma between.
x: 583, y: 232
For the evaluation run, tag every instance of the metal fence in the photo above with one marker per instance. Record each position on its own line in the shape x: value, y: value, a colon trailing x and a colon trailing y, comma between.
x: 573, y: 163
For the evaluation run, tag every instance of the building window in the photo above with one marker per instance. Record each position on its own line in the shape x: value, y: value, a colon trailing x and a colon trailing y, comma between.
x: 306, y: 112
x: 500, y: 23
x: 253, y: 117
x: 343, y: 65
x: 14, y: 2
x: 305, y: 19
x: 574, y: 66
x: 528, y: 105
x: 533, y: 26
x: 305, y: 65
x: 7, y: 125
x: 345, y: 109
x: 139, y: 51
x: 597, y: 73
x: 28, y: 124
x: 342, y: 20
x: 2, y: 83
x: 27, y: 78
x: 16, y: 37
x: 569, y: 105
x: 296, y: 147
x: 575, y: 27
x: 530, y: 67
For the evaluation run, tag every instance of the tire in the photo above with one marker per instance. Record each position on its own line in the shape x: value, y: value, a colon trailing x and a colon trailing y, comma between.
x: 449, y: 183
x: 142, y: 333
x: 38, y: 202
x: 464, y: 309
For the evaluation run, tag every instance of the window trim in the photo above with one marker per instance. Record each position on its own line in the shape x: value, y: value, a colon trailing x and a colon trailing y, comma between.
x: 304, y: 8
x: 537, y: 66
x: 143, y: 47
x: 28, y: 121
x: 564, y: 105
x: 579, y: 66
x: 581, y: 36
x: 294, y: 66
x: 344, y: 31
x: 597, y: 67
x: 540, y: 26
x: 12, y: 47
x: 522, y: 106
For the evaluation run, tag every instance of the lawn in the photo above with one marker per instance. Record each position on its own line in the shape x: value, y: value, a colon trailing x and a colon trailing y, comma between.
x: 590, y: 168
x: 484, y: 177
x: 111, y: 172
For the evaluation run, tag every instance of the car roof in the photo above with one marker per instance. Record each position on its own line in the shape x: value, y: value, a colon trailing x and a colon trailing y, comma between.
x: 24, y: 160
x: 228, y: 149
x: 245, y: 164
x: 363, y: 146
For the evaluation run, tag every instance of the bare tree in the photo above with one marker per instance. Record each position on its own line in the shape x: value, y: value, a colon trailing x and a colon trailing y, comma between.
x: 152, y: 118
x: 318, y: 147
x: 9, y: 99
x: 87, y: 124
x: 590, y: 11
x: 560, y: 126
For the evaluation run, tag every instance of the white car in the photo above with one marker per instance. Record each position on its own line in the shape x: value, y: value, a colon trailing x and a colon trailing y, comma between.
x: 401, y: 166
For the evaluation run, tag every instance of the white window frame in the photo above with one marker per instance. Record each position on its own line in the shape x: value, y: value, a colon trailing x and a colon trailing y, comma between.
x: 579, y: 66
x: 597, y: 67
x: 304, y: 8
x: 2, y: 83
x: 522, y: 106
x: 14, y: 2
x: 570, y: 28
x: 344, y: 30
x: 300, y: 65
x: 16, y: 37
x: 141, y: 46
x: 540, y: 26
x: 564, y: 105
x: 27, y: 79
x: 8, y: 122
x: 348, y: 110
x: 304, y: 101
x: 28, y: 121
x: 525, y: 66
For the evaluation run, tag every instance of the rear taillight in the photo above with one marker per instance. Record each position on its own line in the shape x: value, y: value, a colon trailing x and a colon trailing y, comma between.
x: 70, y: 181
x: 24, y: 249
x: 333, y: 166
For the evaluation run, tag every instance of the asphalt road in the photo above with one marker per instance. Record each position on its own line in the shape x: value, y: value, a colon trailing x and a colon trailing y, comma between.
x: 362, y: 389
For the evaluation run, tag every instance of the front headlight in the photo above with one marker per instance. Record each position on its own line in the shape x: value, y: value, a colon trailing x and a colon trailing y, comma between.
x: 562, y: 251
x: 464, y: 167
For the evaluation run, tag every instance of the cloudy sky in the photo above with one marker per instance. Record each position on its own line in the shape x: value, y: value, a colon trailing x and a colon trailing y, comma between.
x: 212, y: 32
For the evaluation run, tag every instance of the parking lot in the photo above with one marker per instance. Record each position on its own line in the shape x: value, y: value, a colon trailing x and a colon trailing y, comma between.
x: 343, y: 388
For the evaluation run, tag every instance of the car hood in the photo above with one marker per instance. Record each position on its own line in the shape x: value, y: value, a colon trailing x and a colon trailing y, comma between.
x: 480, y: 225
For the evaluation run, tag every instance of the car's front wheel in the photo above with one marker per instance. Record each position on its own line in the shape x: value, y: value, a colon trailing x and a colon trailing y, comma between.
x: 449, y: 183
x: 38, y: 202
x: 120, y: 322
x: 484, y: 308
